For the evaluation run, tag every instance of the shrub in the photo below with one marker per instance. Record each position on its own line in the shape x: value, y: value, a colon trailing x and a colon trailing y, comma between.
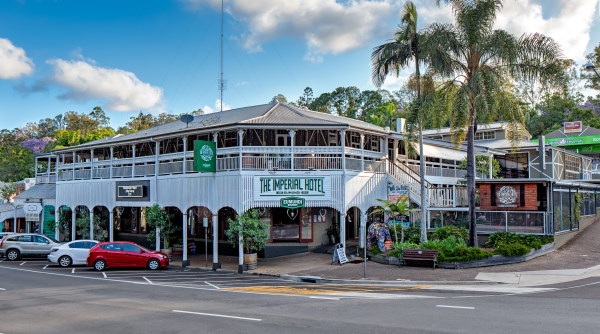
x: 514, y: 249
x: 446, y: 245
x: 375, y: 251
x: 461, y: 253
x: 447, y: 231
x: 412, y: 234
x: 404, y: 245
x: 498, y: 239
x: 395, y: 253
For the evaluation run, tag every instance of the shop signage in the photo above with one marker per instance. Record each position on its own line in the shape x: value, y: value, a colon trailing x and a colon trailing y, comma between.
x: 267, y: 187
x: 292, y: 202
x: 566, y: 141
x: 133, y: 190
x: 572, y: 127
x: 32, y: 208
x: 205, y: 156
x: 506, y: 197
x: 396, y: 192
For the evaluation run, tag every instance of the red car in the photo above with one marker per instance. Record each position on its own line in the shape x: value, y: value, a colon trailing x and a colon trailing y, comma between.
x: 125, y: 254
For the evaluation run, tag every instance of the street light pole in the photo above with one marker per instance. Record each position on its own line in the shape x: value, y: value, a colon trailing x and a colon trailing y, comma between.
x: 591, y: 67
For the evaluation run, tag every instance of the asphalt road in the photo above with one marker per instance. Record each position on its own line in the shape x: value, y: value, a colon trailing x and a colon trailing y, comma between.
x: 39, y: 299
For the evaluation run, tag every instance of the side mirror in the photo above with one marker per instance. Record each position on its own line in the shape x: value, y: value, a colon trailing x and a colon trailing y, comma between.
x: 142, y: 251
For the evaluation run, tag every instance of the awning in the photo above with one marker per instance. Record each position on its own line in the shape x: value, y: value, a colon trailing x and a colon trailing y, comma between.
x: 10, y: 214
x: 441, y: 152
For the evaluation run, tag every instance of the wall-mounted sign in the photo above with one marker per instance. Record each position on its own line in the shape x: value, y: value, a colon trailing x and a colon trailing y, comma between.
x: 133, y: 190
x: 292, y: 202
x: 507, y: 197
x: 572, y: 127
x: 205, y: 156
x: 33, y: 208
x: 268, y: 187
x: 396, y: 192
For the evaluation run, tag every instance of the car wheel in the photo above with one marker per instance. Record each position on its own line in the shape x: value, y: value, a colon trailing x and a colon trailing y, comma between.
x: 153, y: 264
x: 65, y: 261
x: 13, y: 254
x: 99, y: 265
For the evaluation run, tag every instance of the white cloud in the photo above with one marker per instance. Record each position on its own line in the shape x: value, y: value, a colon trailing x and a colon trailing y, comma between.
x: 570, y: 26
x: 217, y: 107
x: 326, y: 26
x: 122, y: 90
x: 13, y: 61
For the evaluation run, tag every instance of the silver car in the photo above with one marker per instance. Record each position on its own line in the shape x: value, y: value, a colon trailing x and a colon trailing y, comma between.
x: 26, y: 245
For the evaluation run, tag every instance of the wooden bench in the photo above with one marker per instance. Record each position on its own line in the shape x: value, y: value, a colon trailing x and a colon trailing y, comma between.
x: 420, y: 255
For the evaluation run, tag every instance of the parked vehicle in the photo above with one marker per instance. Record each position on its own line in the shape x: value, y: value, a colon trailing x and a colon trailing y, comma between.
x: 3, y: 234
x: 125, y: 254
x: 26, y: 245
x: 71, y: 253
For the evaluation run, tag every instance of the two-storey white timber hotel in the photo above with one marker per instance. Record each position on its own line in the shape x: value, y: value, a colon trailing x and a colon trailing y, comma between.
x: 311, y: 174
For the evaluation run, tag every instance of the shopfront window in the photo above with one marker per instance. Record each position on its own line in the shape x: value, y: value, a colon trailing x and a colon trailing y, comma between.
x: 513, y: 166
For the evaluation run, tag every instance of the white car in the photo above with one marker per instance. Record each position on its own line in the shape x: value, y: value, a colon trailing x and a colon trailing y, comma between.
x: 71, y: 253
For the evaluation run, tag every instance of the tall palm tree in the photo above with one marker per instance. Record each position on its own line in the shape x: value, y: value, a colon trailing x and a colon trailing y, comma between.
x: 478, y: 61
x: 390, y: 58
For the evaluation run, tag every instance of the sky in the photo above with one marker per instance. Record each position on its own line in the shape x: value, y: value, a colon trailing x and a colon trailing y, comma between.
x: 128, y: 56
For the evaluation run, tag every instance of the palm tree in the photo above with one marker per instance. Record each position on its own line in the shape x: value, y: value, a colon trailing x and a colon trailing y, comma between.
x: 393, y: 209
x: 390, y: 58
x: 478, y: 63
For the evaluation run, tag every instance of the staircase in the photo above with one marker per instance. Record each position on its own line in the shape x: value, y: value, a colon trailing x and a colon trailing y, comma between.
x: 401, y: 174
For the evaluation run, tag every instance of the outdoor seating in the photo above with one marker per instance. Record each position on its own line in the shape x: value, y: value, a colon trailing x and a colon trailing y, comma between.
x: 421, y: 255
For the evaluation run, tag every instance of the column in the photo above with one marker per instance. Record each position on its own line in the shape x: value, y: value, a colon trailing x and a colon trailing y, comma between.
x: 73, y: 231
x: 184, y: 167
x: 110, y: 170
x: 157, y: 239
x: 91, y: 224
x: 240, y: 140
x: 343, y: 229
x: 215, y: 235
x: 362, y: 152
x: 133, y: 160
x: 56, y: 220
x: 111, y: 225
x: 41, y: 230
x: 184, y: 261
x: 292, y: 135
x: 491, y: 166
x: 73, y: 168
x: 240, y: 253
x: 91, y: 166
x: 15, y: 218
x: 343, y: 143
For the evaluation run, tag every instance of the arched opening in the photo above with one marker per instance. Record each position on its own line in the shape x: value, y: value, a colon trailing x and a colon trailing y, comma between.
x: 130, y: 225
x: 171, y: 235
x: 82, y: 222
x: 200, y: 230
x: 225, y: 214
x: 64, y: 224
x: 353, y: 225
x: 49, y: 223
x: 101, y: 223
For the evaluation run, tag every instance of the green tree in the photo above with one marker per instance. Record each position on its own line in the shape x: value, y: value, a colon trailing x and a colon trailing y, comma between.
x: 156, y: 217
x: 591, y: 79
x: 255, y: 232
x: 483, y: 166
x: 279, y: 98
x: 389, y: 58
x: 7, y: 190
x: 306, y: 99
x: 478, y: 60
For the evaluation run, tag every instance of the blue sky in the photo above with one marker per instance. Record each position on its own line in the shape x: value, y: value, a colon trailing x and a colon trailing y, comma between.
x: 163, y: 55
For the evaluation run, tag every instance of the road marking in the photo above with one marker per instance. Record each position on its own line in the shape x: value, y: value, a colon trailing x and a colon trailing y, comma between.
x: 217, y: 315
x: 2, y: 290
x: 46, y: 266
x: 22, y: 263
x: 216, y: 287
x: 147, y: 280
x: 104, y: 274
x: 330, y: 298
x: 73, y: 271
x: 458, y: 307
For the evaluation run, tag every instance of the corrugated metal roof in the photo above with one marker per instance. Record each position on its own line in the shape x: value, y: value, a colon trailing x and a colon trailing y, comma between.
x: 271, y: 113
x: 587, y: 131
x: 39, y: 191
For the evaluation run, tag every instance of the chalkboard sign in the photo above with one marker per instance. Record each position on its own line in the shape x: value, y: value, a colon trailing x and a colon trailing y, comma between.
x: 339, y: 255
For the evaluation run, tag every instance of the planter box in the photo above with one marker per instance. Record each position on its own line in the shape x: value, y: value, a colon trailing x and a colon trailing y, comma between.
x: 496, y: 260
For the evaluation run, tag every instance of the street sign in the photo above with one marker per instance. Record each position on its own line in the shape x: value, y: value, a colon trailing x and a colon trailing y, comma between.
x: 292, y: 202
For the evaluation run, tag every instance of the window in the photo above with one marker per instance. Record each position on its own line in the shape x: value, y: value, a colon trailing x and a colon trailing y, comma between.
x: 485, y: 135
x: 24, y: 238
x: 79, y: 244
x: 513, y: 165
x: 111, y: 247
x: 37, y: 238
x: 572, y: 167
x: 130, y: 248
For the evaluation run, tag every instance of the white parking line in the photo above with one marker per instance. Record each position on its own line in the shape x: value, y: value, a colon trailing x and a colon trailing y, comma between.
x: 73, y: 271
x: 147, y: 280
x: 217, y: 315
x: 458, y: 307
x: 104, y: 274
x: 216, y: 287
x: 22, y: 263
x: 2, y: 290
x: 46, y: 266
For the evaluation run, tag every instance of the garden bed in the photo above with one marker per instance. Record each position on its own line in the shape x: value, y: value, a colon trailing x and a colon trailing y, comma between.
x: 496, y: 260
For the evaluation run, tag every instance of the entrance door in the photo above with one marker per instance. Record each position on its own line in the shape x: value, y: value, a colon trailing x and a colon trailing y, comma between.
x: 286, y: 224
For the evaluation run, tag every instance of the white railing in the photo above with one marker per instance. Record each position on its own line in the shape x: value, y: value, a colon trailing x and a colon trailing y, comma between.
x: 144, y: 170
x: 101, y: 172
x: 318, y: 163
x: 442, y: 197
x: 45, y: 178
x: 121, y: 171
x: 353, y: 164
x: 406, y: 176
x: 266, y: 163
x: 227, y: 163
x: 170, y: 167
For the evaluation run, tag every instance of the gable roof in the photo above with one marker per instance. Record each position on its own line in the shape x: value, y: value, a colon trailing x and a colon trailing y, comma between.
x: 587, y: 131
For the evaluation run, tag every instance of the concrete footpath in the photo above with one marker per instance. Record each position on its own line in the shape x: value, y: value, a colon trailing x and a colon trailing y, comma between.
x: 578, y: 259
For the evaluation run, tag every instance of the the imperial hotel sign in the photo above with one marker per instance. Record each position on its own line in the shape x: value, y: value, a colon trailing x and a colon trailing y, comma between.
x: 271, y: 187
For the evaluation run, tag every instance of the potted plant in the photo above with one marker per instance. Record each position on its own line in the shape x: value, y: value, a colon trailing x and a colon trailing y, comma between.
x: 159, y: 218
x: 255, y: 234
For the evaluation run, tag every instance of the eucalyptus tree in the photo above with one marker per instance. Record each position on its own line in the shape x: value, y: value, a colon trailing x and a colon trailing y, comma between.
x: 391, y: 57
x: 477, y: 62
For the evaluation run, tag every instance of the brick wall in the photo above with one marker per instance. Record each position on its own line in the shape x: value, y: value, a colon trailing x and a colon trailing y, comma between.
x: 529, y: 193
